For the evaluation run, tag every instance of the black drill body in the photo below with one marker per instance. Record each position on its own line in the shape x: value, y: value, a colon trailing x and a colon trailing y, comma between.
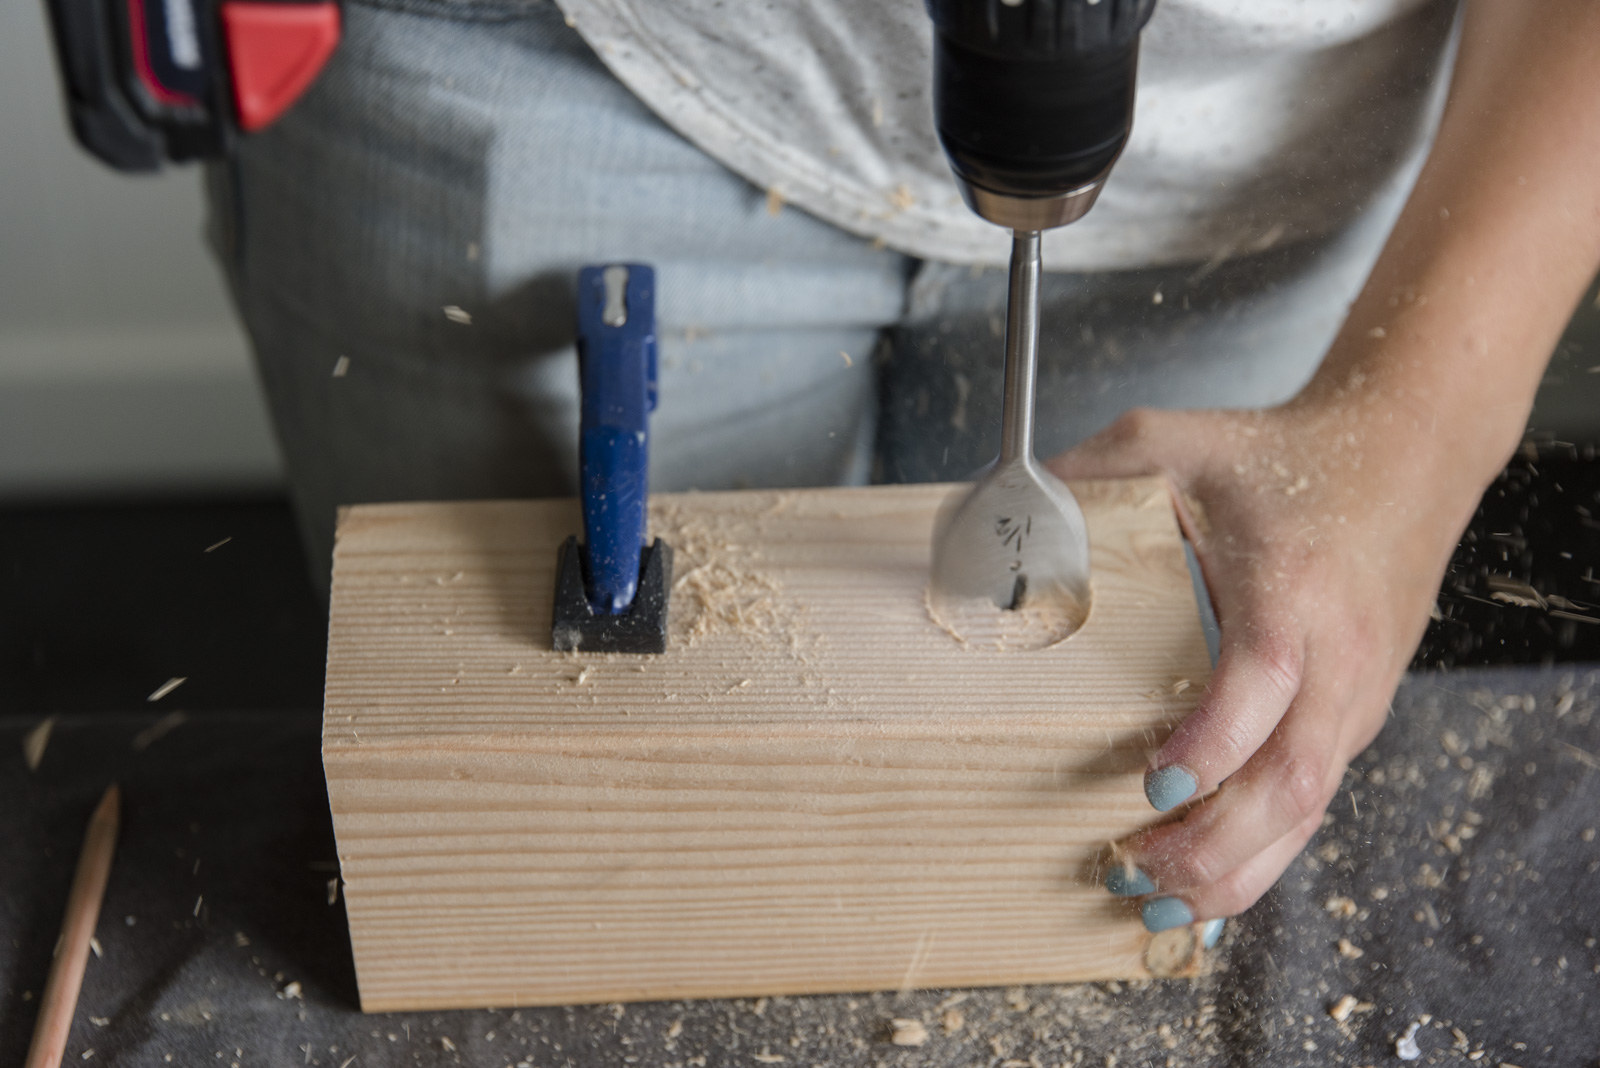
x: 1034, y: 100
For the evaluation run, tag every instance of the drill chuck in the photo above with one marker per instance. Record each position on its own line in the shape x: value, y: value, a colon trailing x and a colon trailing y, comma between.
x: 1033, y: 101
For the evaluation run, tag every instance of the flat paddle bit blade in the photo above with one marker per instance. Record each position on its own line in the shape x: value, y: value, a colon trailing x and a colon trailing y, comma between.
x: 1011, y: 559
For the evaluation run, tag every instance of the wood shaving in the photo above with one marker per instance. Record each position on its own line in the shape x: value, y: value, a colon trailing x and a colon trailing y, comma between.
x: 766, y: 1056
x: 1349, y: 950
x: 1340, y: 907
x: 457, y: 314
x: 1348, y: 1006
x: 167, y: 687
x: 952, y: 1020
x: 341, y: 367
x: 35, y: 741
x: 214, y: 546
x: 1405, y: 1047
x: 908, y: 1033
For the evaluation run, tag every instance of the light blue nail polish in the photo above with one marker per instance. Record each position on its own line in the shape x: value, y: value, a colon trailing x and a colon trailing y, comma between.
x: 1211, y: 932
x: 1125, y: 880
x: 1169, y: 787
x: 1162, y: 913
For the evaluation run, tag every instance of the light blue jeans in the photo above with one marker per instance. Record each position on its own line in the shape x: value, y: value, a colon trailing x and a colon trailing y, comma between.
x: 473, y: 154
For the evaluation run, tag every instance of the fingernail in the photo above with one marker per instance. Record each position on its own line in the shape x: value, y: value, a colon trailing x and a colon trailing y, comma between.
x: 1169, y: 787
x: 1162, y: 913
x: 1211, y: 933
x: 1125, y: 880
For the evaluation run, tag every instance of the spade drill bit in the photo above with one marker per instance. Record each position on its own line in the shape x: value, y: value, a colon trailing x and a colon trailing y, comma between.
x: 1018, y: 535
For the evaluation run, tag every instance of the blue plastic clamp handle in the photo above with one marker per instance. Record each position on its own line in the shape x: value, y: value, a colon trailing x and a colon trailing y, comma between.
x: 617, y: 374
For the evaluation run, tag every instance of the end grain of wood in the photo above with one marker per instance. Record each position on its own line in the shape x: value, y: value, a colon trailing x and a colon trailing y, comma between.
x: 60, y: 997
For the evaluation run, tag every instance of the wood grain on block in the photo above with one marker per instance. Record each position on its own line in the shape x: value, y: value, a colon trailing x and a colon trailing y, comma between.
x: 815, y: 789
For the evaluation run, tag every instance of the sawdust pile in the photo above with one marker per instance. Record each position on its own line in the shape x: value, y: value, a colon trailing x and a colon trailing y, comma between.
x: 719, y: 584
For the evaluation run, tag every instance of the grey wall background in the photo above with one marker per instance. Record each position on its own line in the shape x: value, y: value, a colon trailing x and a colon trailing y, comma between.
x: 122, y: 369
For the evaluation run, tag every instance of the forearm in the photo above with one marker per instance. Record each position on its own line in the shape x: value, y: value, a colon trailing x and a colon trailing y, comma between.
x: 1448, y: 339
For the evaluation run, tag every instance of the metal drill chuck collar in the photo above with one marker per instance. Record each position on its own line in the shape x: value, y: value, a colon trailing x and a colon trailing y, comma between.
x: 1030, y: 213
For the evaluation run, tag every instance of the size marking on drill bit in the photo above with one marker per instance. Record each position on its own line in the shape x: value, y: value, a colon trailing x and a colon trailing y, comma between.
x: 1009, y: 531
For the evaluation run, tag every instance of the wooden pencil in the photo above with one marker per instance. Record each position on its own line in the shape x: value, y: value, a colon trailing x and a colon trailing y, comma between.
x: 60, y: 998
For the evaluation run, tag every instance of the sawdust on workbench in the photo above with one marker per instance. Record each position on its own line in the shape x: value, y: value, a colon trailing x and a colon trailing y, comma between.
x: 720, y: 583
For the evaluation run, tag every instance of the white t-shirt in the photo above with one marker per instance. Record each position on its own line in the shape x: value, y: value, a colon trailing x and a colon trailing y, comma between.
x: 1256, y: 121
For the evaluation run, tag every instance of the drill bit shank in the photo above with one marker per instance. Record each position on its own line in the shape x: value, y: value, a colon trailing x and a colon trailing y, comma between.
x: 1018, y: 537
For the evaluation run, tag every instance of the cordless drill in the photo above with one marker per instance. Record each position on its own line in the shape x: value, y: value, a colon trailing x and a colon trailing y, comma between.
x: 1033, y: 101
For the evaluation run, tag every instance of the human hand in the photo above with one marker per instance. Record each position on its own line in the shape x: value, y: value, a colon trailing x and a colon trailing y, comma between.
x: 1322, y: 532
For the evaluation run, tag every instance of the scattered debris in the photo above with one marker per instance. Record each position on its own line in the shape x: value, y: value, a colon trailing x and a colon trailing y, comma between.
x: 167, y: 687
x: 447, y: 1045
x: 1340, y: 907
x: 952, y: 1020
x: 845, y: 356
x: 774, y: 202
x: 341, y: 366
x: 1405, y: 1047
x: 94, y: 946
x: 908, y: 1033
x: 766, y: 1056
x: 1349, y: 950
x: 333, y: 891
x: 158, y: 730
x: 1582, y: 756
x: 34, y: 742
x: 214, y: 546
x: 457, y: 314
x: 1348, y: 1006
x: 240, y: 940
x: 291, y: 992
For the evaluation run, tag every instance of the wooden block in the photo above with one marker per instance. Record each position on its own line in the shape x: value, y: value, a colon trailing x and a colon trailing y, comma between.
x: 816, y: 789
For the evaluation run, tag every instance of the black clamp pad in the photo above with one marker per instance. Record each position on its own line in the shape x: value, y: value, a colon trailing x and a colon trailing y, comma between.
x: 641, y: 629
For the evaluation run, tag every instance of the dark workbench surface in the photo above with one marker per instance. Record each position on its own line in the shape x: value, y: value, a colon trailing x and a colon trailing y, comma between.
x: 1465, y: 844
